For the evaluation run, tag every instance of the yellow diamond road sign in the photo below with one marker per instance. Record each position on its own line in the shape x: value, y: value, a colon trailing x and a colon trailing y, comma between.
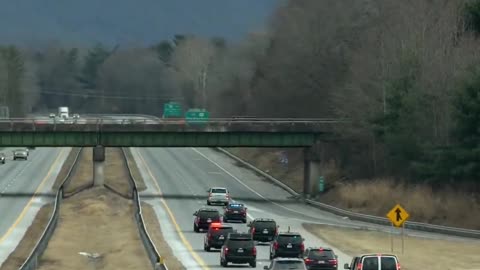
x: 398, y: 215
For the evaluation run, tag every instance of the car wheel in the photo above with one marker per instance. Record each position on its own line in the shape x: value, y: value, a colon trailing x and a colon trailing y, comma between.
x: 208, y: 203
x: 271, y: 256
x: 253, y: 264
x: 223, y: 263
x: 195, y: 228
x: 14, y: 158
x: 244, y: 221
x: 207, y: 248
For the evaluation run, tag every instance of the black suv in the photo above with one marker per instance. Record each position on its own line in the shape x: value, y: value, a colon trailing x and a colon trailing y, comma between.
x: 320, y: 258
x: 239, y: 248
x: 263, y: 229
x: 235, y: 211
x: 204, y: 217
x: 216, y: 235
x: 287, y: 244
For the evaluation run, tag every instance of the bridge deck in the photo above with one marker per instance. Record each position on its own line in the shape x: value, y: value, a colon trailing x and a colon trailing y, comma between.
x: 167, y: 133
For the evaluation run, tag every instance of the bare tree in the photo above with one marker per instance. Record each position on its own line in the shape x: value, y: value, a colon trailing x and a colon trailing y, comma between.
x: 192, y: 62
x: 132, y: 81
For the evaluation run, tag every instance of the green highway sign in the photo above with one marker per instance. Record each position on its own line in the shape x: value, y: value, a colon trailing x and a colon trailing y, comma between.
x: 197, y: 116
x: 172, y: 109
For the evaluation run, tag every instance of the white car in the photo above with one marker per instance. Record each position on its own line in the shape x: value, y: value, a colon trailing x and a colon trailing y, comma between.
x: 286, y: 263
x: 20, y: 154
x: 218, y: 195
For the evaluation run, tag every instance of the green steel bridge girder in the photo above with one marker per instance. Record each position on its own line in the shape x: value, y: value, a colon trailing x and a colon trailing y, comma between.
x: 159, y: 139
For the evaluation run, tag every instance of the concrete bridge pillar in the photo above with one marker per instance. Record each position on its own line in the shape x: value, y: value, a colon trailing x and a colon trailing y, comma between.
x: 311, y: 170
x: 98, y: 165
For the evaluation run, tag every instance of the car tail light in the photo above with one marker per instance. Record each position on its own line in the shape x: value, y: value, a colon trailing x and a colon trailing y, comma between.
x: 398, y: 266
x: 308, y: 261
x: 302, y: 247
x: 333, y: 262
x: 225, y: 250
x: 253, y: 230
x: 254, y: 251
x: 275, y: 245
x: 359, y: 266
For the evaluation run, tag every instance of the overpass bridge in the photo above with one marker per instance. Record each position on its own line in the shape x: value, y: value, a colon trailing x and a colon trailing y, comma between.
x: 122, y: 131
x: 128, y: 132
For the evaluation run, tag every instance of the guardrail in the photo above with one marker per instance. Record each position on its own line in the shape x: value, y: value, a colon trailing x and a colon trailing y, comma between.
x: 419, y: 226
x: 156, y: 259
x: 31, y: 263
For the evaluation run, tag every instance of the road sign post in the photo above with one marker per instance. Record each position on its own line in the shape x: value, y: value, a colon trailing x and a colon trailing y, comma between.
x: 398, y: 216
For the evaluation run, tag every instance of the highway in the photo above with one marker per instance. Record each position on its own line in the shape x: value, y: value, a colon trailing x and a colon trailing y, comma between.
x: 183, y: 176
x: 35, y: 175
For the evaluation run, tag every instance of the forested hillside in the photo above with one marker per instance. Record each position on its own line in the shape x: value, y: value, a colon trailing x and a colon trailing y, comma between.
x: 406, y: 72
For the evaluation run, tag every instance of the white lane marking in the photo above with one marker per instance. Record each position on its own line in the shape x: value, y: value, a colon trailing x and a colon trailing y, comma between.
x: 214, y: 172
x: 241, y: 182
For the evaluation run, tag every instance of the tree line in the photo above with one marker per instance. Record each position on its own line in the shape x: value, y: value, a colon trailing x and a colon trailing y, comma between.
x: 407, y: 73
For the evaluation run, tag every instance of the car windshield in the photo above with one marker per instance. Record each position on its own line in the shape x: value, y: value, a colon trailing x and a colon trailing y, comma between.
x: 208, y: 214
x: 264, y: 224
x: 294, y: 239
x: 240, y: 243
x: 280, y: 265
x: 219, y: 190
x: 321, y: 254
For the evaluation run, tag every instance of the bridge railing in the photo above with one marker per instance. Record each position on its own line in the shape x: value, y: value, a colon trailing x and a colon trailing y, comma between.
x: 171, y: 125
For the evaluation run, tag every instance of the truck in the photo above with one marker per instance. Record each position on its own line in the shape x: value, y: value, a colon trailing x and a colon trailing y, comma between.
x: 63, y: 112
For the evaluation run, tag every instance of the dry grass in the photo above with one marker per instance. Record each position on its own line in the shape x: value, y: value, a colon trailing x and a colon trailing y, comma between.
x: 65, y: 168
x: 155, y: 233
x: 135, y: 172
x: 98, y: 221
x: 419, y: 253
x: 372, y: 197
x: 83, y: 175
x: 378, y: 197
x: 20, y: 254
x: 115, y: 171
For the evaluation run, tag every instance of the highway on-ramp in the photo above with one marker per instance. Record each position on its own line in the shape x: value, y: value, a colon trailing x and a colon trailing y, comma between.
x: 18, y: 181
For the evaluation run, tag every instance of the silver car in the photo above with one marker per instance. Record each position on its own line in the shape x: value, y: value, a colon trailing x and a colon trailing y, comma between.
x: 20, y: 154
x: 286, y: 263
x: 218, y: 195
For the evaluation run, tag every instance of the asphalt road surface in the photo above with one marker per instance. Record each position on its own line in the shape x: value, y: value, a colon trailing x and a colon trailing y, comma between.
x: 184, y: 174
x: 177, y: 180
x: 19, y: 180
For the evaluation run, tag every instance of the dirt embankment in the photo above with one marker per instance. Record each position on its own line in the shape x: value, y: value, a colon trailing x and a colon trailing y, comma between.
x: 419, y: 253
x: 374, y: 197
